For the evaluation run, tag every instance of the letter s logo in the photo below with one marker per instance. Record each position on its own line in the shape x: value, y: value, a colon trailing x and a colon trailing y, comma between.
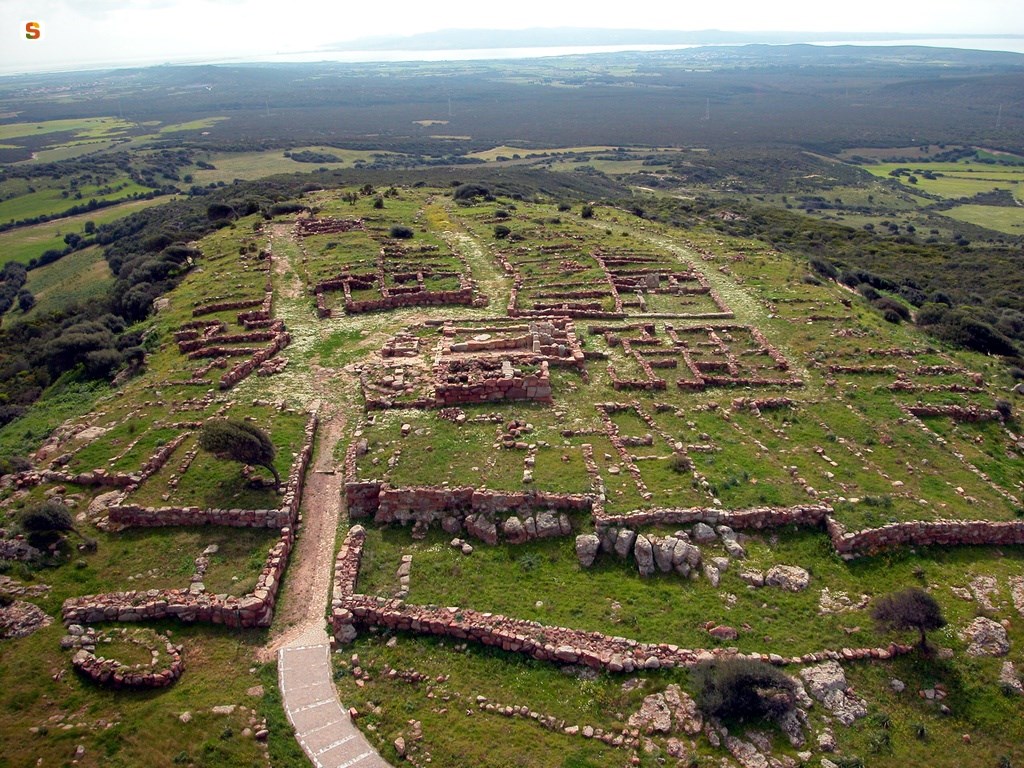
x: 32, y: 31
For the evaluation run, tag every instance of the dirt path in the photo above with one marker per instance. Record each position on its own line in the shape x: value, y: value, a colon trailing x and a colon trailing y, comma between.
x: 302, y: 607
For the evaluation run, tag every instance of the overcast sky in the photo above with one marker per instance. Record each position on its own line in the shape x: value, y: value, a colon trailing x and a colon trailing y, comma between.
x: 91, y: 32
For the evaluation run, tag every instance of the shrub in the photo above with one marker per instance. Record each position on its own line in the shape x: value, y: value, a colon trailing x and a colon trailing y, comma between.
x: 742, y: 688
x: 501, y: 231
x: 587, y: 212
x: 46, y: 522
x: 469, y: 191
x: 400, y: 232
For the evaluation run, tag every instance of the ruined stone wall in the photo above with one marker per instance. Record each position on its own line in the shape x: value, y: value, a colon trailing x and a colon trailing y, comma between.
x: 255, y: 609
x: 148, y: 517
x: 431, y: 504
x: 463, y: 296
x: 925, y: 533
x: 754, y: 517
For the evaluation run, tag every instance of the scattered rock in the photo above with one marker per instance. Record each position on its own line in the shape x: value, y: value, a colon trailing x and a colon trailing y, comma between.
x: 21, y: 619
x: 985, y: 637
x: 1009, y: 680
x: 788, y: 577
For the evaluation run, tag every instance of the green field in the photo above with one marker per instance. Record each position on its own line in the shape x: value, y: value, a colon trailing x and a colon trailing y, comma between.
x: 77, y: 278
x: 47, y: 202
x: 26, y: 243
x: 254, y: 165
x: 999, y: 218
x: 955, y: 180
x: 85, y: 128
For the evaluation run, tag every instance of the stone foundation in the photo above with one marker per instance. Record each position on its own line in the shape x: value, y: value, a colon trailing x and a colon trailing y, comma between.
x: 255, y: 609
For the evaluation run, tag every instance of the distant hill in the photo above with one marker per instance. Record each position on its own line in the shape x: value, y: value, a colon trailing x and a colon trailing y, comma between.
x: 462, y: 39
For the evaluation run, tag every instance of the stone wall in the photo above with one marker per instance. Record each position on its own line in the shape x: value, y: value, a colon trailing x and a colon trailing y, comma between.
x: 255, y: 609
x: 148, y: 517
x: 463, y: 296
x: 754, y: 517
x: 924, y: 533
x: 102, y: 477
x: 432, y: 504
x: 112, y: 673
x: 243, y: 369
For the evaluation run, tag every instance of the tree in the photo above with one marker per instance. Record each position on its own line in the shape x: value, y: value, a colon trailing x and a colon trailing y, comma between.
x: 239, y: 441
x: 736, y: 687
x: 911, y: 608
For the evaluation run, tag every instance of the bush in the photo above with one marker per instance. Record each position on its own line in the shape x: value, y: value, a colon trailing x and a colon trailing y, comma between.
x: 742, y: 688
x: 470, y: 191
x: 501, y: 231
x: 587, y: 212
x: 45, y: 523
x: 400, y: 232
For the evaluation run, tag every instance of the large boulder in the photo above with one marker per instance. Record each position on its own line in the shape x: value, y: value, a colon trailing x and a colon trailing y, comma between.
x: 663, y: 551
x: 686, y: 554
x: 788, y: 577
x: 482, y: 528
x: 547, y: 525
x: 624, y: 542
x: 703, y: 533
x: 653, y: 716
x: 644, y: 554
x: 514, y: 531
x: 587, y: 546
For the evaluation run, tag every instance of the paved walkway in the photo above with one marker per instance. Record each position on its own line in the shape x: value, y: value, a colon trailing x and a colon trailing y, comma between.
x: 322, y: 726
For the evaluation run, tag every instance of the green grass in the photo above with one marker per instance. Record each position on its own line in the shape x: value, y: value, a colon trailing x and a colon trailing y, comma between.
x: 999, y: 218
x: 79, y: 277
x: 253, y: 165
x: 47, y: 202
x: 89, y: 127
x: 25, y: 243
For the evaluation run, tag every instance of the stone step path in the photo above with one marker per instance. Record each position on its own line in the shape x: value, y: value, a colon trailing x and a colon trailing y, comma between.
x: 322, y: 726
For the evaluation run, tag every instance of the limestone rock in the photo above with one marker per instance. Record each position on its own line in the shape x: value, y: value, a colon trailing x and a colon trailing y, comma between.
x: 644, y: 554
x: 827, y: 683
x: 734, y: 549
x: 587, y: 545
x: 624, y: 542
x: 703, y: 533
x: 547, y: 525
x: 723, y: 633
x: 788, y: 577
x: 985, y: 637
x: 686, y: 554
x: 1009, y: 680
x: 654, y: 715
x: 514, y: 531
x: 685, y: 714
x: 712, y: 574
x: 664, y: 548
